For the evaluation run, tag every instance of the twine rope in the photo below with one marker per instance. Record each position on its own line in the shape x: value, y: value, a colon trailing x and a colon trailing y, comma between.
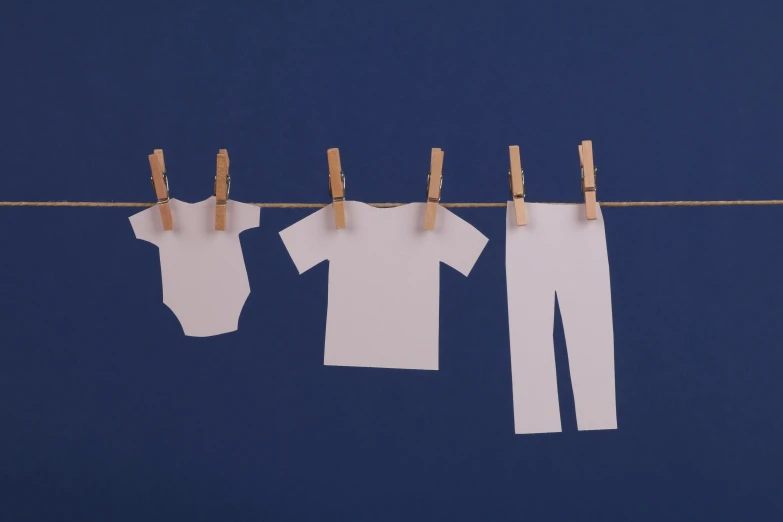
x: 115, y: 204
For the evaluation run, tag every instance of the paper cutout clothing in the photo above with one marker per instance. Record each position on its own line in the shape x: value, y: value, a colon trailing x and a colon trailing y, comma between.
x: 384, y: 279
x: 559, y: 252
x: 203, y: 271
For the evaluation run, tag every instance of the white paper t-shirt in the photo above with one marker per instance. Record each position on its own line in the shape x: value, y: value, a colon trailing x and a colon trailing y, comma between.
x: 384, y: 279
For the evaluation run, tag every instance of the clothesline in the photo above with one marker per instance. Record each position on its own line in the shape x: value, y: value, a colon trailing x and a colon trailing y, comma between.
x: 108, y: 204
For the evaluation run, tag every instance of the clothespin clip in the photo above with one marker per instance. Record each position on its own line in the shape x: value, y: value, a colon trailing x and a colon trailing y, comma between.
x: 222, y: 189
x: 516, y: 180
x: 336, y: 186
x: 434, y: 186
x: 160, y: 182
x: 589, y: 174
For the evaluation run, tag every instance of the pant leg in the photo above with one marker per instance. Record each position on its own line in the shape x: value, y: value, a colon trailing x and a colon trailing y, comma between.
x: 531, y: 301
x: 585, y: 301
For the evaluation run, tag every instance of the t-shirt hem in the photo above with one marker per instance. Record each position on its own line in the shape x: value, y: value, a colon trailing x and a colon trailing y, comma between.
x: 381, y: 366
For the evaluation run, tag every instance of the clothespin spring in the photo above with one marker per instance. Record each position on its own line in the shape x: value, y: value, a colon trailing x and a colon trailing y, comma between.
x: 524, y: 191
x: 440, y: 189
x: 342, y: 181
x: 228, y: 190
x: 165, y: 182
x: 595, y: 180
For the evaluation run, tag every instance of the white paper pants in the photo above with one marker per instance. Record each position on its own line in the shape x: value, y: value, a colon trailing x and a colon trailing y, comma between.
x: 559, y: 251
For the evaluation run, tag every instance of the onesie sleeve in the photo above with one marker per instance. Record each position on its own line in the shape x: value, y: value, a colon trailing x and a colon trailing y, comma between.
x: 309, y: 241
x: 147, y: 224
x: 459, y: 243
x: 242, y: 216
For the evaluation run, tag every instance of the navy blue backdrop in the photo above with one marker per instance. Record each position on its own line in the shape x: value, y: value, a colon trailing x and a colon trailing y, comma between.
x: 109, y: 413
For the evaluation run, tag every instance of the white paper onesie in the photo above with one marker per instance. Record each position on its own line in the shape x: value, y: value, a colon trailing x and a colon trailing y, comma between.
x: 203, y: 271
x: 384, y: 279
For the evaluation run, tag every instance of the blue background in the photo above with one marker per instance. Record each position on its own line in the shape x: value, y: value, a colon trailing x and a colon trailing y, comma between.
x: 108, y: 412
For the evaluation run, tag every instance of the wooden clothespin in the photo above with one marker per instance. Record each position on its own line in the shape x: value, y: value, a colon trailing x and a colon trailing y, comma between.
x: 588, y: 177
x: 516, y: 178
x: 160, y: 182
x: 434, y: 186
x: 222, y: 189
x: 336, y: 187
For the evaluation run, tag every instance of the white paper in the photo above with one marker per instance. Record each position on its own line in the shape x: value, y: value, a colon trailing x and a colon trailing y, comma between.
x: 203, y: 271
x: 384, y: 277
x: 560, y: 251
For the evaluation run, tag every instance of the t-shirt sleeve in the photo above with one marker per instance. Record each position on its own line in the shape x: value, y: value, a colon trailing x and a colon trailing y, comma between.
x: 242, y: 216
x: 459, y: 243
x: 147, y: 224
x: 309, y: 241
